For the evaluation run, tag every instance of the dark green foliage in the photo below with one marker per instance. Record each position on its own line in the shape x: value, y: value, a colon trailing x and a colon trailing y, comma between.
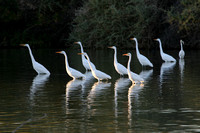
x: 99, y: 23
x: 185, y: 18
x: 39, y: 22
x: 110, y: 22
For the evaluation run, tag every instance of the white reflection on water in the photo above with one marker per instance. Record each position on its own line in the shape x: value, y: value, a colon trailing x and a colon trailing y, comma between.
x: 97, y: 89
x: 133, y: 97
x: 120, y: 85
x: 181, y: 68
x: 166, y: 70
x: 72, y: 86
x: 88, y: 80
x: 38, y: 82
x: 146, y: 74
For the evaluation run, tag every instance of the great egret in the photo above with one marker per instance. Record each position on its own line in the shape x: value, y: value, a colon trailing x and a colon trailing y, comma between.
x: 181, y: 52
x: 118, y: 67
x: 71, y: 72
x: 99, y: 75
x: 165, y: 57
x: 142, y: 59
x: 39, y: 68
x: 132, y: 76
x: 84, y: 60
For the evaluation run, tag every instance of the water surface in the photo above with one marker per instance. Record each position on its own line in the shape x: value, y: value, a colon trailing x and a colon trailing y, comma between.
x: 168, y: 101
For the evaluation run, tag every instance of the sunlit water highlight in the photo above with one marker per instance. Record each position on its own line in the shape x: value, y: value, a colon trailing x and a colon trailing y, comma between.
x: 168, y: 101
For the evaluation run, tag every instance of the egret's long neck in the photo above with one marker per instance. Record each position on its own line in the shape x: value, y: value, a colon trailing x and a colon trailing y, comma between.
x: 115, y: 56
x: 128, y: 65
x: 82, y: 56
x: 137, y: 50
x: 181, y: 46
x: 81, y: 48
x: 66, y: 62
x: 91, y: 67
x: 161, y: 50
x: 31, y: 55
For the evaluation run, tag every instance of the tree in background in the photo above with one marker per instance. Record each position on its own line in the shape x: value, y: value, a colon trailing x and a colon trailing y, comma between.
x: 98, y: 23
x: 110, y: 22
x: 39, y: 22
x: 185, y: 19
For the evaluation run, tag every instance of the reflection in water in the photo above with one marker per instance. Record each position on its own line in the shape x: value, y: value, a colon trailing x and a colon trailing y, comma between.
x: 133, y: 95
x: 98, y: 89
x: 88, y: 80
x: 176, y: 110
x: 38, y: 82
x: 166, y: 70
x: 120, y: 85
x: 72, y: 86
x: 181, y: 67
x: 146, y: 74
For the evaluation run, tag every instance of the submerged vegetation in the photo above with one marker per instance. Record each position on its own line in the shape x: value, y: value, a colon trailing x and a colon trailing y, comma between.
x: 99, y: 23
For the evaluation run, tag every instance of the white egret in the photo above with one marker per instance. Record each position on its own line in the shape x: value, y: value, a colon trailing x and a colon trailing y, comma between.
x: 142, y: 59
x: 84, y: 60
x: 39, y: 68
x: 164, y: 56
x: 71, y: 72
x: 118, y: 67
x: 181, y: 52
x: 99, y: 75
x: 132, y: 76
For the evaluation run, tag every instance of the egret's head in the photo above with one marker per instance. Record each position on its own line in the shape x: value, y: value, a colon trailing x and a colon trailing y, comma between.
x: 60, y: 52
x: 158, y: 39
x: 133, y: 39
x: 128, y: 54
x: 84, y: 53
x: 112, y: 47
x: 25, y: 45
x: 181, y: 41
x: 77, y: 42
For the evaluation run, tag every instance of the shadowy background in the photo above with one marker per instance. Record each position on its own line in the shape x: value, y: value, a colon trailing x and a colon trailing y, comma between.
x: 99, y: 23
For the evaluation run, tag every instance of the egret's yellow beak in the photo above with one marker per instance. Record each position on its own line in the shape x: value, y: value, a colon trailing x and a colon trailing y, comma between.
x: 58, y: 52
x: 155, y: 39
x: 131, y: 38
x: 125, y: 54
x: 110, y: 47
x: 22, y: 45
x: 80, y: 53
x: 76, y: 43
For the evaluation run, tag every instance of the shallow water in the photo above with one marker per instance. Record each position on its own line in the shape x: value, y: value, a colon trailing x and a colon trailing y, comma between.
x: 168, y: 101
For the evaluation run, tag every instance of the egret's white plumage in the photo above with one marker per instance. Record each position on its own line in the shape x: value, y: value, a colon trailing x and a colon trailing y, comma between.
x: 84, y: 60
x: 99, y: 75
x: 132, y: 76
x: 39, y: 68
x: 118, y: 67
x: 71, y: 72
x: 164, y: 56
x: 181, y: 52
x: 142, y: 59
